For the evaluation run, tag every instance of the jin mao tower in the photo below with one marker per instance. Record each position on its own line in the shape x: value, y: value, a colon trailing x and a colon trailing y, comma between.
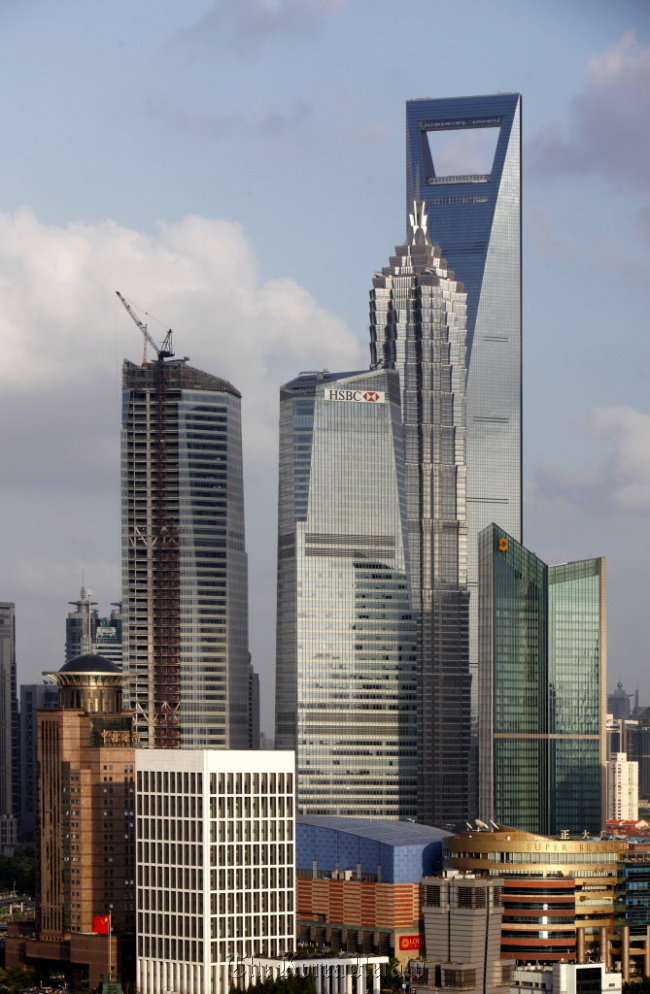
x: 417, y: 316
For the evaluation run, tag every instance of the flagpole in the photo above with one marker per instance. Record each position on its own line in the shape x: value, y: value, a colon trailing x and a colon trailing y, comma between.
x: 110, y: 930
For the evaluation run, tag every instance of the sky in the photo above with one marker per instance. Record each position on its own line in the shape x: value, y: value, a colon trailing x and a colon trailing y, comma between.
x: 236, y: 169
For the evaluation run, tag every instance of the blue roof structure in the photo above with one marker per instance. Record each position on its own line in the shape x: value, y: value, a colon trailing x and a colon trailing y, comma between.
x: 395, y: 852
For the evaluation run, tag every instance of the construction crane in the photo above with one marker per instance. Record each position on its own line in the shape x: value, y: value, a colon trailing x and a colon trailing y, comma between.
x: 163, y: 554
x: 164, y: 351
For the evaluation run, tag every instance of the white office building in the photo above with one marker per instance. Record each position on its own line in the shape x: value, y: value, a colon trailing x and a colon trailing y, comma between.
x: 565, y: 978
x: 215, y: 865
x: 622, y: 788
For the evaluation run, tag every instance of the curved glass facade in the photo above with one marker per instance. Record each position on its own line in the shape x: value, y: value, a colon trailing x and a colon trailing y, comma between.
x: 474, y: 210
x: 185, y: 612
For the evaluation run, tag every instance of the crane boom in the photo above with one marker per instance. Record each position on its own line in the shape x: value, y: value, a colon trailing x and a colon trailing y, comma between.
x: 164, y: 351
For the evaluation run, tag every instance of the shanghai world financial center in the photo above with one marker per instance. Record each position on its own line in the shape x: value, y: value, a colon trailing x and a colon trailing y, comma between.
x: 398, y: 583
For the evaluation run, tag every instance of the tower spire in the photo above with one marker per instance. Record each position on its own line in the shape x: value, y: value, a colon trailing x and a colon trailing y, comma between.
x: 418, y: 224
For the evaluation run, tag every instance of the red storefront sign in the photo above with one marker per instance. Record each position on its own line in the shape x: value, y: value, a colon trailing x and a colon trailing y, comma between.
x: 409, y: 941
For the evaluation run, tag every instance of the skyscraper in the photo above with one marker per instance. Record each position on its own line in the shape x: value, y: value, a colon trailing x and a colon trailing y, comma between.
x: 464, y: 162
x: 541, y: 689
x: 346, y: 667
x: 418, y: 327
x: 9, y: 747
x: 622, y: 788
x: 80, y: 625
x: 108, y: 635
x: 184, y: 567
x: 33, y: 698
x: 86, y: 632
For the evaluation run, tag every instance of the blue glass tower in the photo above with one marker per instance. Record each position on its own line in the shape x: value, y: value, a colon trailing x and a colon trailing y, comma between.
x: 541, y: 689
x: 463, y: 159
x: 475, y: 216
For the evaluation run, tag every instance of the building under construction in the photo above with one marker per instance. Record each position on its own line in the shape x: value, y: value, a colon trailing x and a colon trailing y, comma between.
x: 184, y: 566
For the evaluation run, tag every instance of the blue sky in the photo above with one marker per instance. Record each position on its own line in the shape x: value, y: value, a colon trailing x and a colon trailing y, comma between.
x: 237, y: 168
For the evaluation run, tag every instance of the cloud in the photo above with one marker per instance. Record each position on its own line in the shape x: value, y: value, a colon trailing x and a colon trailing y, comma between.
x: 261, y: 121
x: 626, y: 473
x: 248, y: 24
x: 619, y: 480
x: 57, y: 304
x: 607, y: 132
x: 64, y: 335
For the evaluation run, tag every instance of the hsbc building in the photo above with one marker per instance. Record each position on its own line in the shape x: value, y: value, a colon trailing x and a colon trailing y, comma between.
x: 356, y: 396
x: 346, y: 667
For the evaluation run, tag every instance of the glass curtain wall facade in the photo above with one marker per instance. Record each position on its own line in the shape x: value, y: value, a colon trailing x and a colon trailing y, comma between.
x: 577, y: 691
x: 346, y: 664
x: 464, y: 162
x: 541, y: 689
x: 184, y: 566
x: 418, y: 327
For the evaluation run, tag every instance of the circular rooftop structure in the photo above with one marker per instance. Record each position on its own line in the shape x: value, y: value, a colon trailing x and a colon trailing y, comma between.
x: 89, y: 663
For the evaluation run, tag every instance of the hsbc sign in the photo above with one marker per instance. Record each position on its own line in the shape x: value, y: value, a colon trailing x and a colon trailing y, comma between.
x: 357, y: 396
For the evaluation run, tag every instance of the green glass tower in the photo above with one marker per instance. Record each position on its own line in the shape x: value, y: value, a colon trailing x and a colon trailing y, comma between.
x: 542, y: 698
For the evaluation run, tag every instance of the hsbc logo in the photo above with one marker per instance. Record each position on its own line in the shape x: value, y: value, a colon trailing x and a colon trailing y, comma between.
x: 357, y: 396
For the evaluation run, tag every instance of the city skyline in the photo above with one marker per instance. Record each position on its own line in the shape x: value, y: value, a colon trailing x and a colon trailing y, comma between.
x: 258, y: 292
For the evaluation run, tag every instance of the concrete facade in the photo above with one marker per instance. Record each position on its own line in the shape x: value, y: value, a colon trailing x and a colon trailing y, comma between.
x: 622, y: 788
x: 565, y: 978
x: 215, y: 865
x: 462, y: 927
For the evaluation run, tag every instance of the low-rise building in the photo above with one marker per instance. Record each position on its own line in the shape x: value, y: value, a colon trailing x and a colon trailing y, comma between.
x: 462, y: 925
x: 565, y: 978
x: 358, y: 883
x: 333, y: 975
x: 558, y: 893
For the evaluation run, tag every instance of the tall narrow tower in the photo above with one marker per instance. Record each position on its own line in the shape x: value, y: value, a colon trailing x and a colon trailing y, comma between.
x: 463, y: 159
x: 85, y: 829
x: 542, y: 679
x: 9, y: 744
x: 184, y: 567
x: 346, y: 666
x: 417, y: 318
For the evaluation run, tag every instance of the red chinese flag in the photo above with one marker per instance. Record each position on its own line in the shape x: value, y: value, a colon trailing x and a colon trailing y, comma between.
x: 101, y: 924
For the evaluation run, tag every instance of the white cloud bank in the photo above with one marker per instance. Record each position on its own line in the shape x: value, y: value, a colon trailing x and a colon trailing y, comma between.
x: 608, y: 131
x: 625, y: 476
x: 60, y: 322
x: 619, y: 480
x: 64, y: 334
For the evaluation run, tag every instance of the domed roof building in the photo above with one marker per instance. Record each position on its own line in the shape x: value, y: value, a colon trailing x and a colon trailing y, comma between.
x: 90, y: 683
x: 89, y: 663
x: 86, y: 786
